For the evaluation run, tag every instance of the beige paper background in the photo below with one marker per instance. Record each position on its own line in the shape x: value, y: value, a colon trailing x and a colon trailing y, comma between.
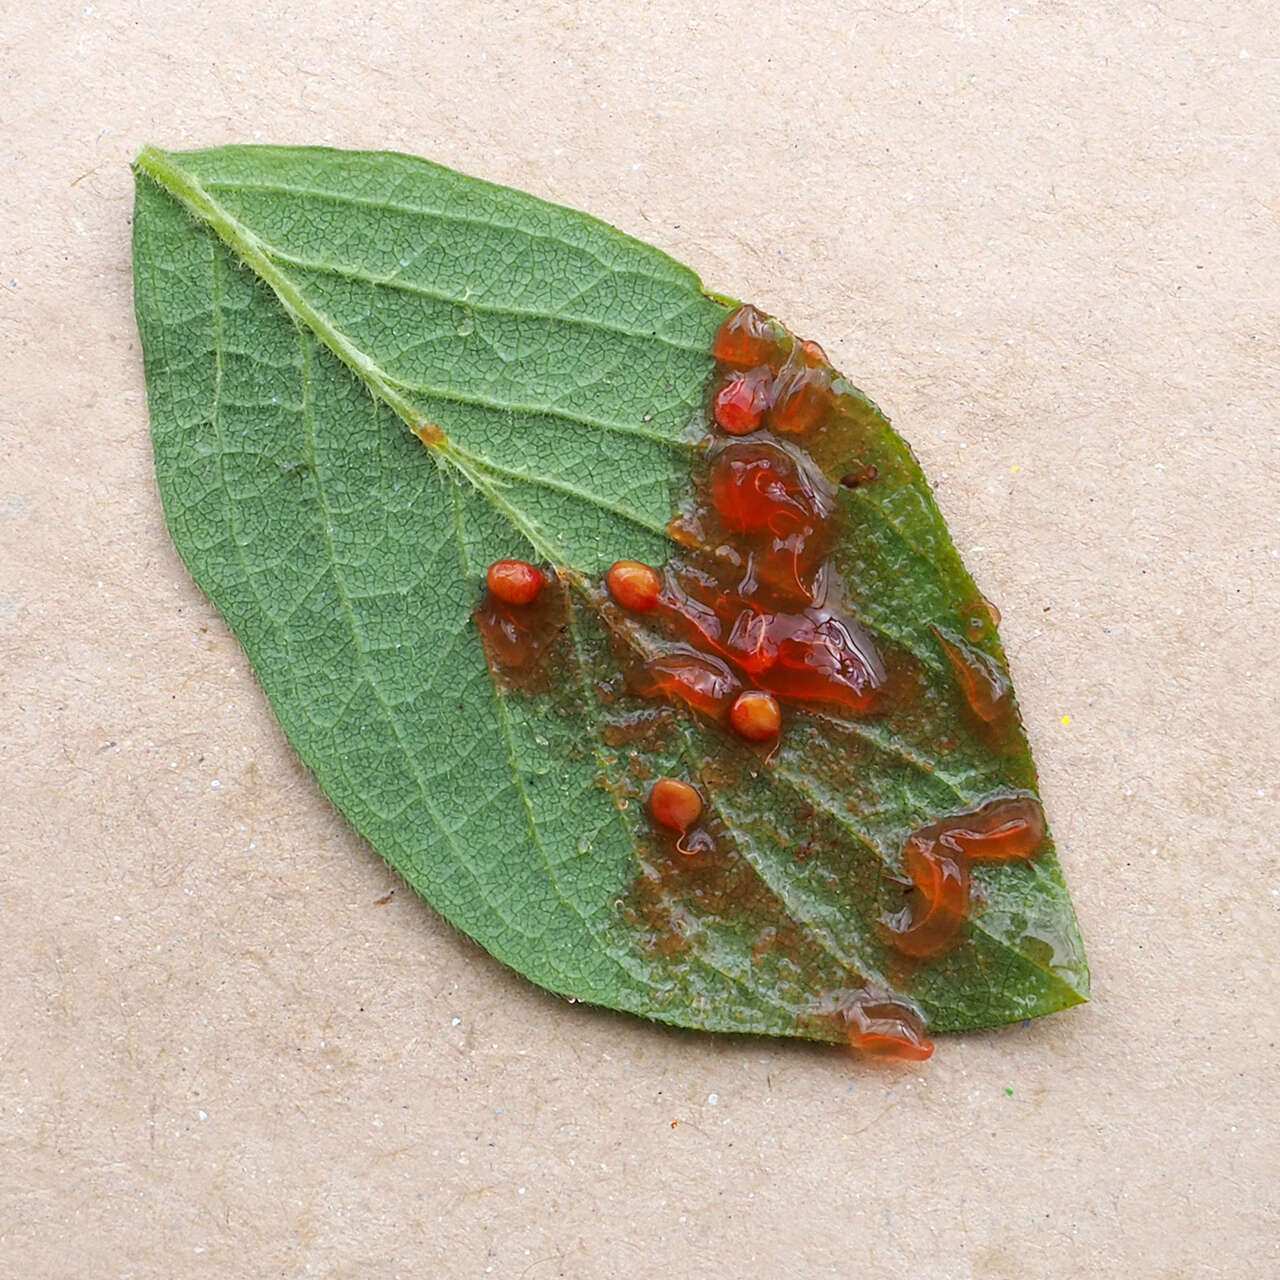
x: 1044, y: 237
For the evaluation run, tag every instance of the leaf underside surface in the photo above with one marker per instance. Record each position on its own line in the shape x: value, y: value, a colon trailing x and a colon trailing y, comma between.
x: 301, y: 310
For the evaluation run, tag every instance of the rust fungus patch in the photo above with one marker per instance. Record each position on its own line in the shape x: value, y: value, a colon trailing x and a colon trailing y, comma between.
x: 744, y: 628
x: 429, y: 433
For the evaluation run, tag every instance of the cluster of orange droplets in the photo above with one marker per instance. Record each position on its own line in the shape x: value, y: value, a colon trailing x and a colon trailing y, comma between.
x: 745, y: 621
x: 746, y: 614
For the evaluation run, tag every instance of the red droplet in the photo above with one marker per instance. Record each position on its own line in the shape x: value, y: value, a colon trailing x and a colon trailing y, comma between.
x: 756, y: 716
x: 688, y: 605
x: 746, y: 339
x: 939, y: 874
x: 760, y: 488
x: 938, y: 905
x: 674, y: 804
x: 937, y: 859
x: 887, y: 1028
x: 981, y: 680
x: 740, y: 405
x: 634, y: 586
x: 814, y: 656
x: 813, y: 353
x: 700, y: 680
x: 1003, y: 830
x: 802, y: 399
x: 515, y: 581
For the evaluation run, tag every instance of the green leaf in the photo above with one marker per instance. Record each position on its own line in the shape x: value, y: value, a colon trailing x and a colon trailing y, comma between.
x: 303, y: 312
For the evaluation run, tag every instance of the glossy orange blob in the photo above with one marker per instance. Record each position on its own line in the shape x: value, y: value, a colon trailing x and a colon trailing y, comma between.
x: 634, y: 586
x: 515, y: 581
x: 746, y: 339
x: 813, y: 353
x: 1001, y: 831
x: 940, y: 875
x: 980, y: 678
x: 937, y: 908
x: 756, y: 716
x: 740, y: 405
x: 699, y: 680
x: 760, y: 488
x: 802, y: 399
x: 814, y: 656
x: 674, y: 804
x: 938, y: 860
x: 888, y: 1029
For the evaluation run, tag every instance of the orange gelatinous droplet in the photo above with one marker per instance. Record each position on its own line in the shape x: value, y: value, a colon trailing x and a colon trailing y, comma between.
x: 740, y: 405
x: 802, y: 399
x: 813, y: 353
x: 515, y: 581
x: 689, y: 606
x: 939, y: 874
x: 887, y: 1028
x: 926, y: 926
x: 700, y: 680
x: 938, y: 859
x: 982, y: 681
x: 674, y: 804
x: 814, y: 656
x: 746, y: 339
x: 634, y: 586
x: 760, y: 488
x: 756, y: 716
x: 1004, y: 830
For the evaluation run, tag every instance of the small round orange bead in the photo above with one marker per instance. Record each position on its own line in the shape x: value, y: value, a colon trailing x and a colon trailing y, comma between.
x: 515, y: 581
x: 756, y: 716
x: 674, y: 804
x: 634, y: 586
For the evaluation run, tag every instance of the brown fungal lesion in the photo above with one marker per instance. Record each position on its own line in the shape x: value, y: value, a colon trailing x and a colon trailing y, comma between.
x: 746, y: 627
x: 430, y: 433
x: 525, y: 636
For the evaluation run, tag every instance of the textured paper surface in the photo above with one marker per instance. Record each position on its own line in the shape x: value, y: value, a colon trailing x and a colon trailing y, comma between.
x: 1043, y: 238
